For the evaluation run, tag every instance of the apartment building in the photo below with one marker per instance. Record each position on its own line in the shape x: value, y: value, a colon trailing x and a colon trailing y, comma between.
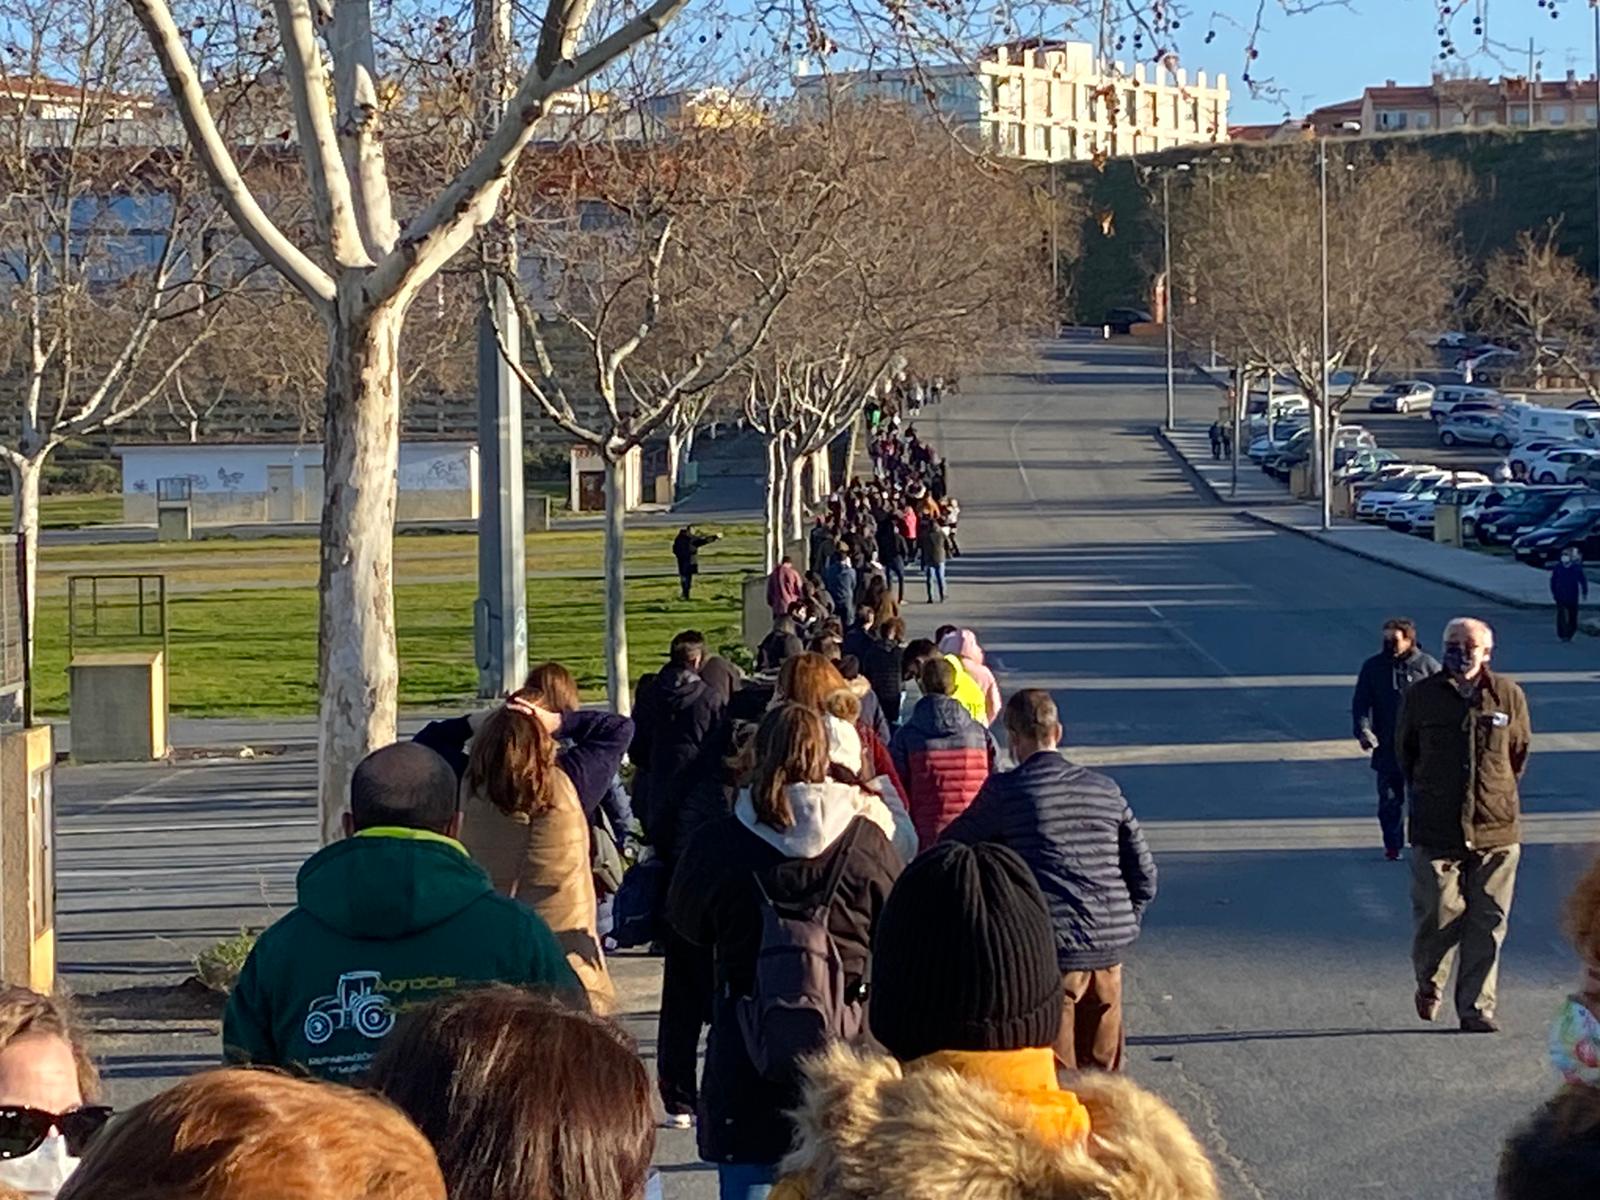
x: 1449, y: 103
x: 1051, y: 101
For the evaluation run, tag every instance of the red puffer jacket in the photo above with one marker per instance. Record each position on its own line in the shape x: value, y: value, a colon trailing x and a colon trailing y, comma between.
x: 943, y: 757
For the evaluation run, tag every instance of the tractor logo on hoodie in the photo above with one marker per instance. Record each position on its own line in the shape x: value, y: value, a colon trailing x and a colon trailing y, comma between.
x: 358, y: 1003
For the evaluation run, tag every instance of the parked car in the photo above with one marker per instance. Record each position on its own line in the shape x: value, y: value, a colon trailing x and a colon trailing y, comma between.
x: 1488, y: 365
x: 1375, y: 502
x: 1553, y: 468
x: 1586, y: 474
x: 1285, y: 433
x: 1418, y: 513
x: 1409, y: 395
x: 1475, y: 429
x: 1449, y: 397
x: 1540, y: 546
x: 1531, y: 509
x: 1363, y: 462
x: 1285, y: 407
x: 1392, y: 473
x: 1480, y: 502
x: 1122, y: 320
x: 1527, y: 455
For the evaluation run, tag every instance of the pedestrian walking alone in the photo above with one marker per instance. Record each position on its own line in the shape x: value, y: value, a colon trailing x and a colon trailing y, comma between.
x: 785, y: 586
x: 1462, y: 741
x: 1074, y: 829
x: 1569, y: 586
x: 1216, y: 440
x: 686, y: 549
x: 1384, y: 678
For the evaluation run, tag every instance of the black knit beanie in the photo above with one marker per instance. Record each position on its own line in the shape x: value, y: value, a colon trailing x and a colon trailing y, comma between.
x: 965, y: 957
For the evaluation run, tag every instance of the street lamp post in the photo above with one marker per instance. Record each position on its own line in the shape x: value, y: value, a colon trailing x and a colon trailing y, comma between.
x: 1321, y: 436
x: 1166, y: 286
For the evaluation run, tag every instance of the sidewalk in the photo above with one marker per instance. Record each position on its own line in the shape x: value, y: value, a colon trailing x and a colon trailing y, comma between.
x: 228, y: 736
x: 1267, y: 502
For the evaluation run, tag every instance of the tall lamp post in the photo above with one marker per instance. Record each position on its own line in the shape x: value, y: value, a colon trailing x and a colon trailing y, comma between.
x: 1166, y: 276
x: 1322, y: 437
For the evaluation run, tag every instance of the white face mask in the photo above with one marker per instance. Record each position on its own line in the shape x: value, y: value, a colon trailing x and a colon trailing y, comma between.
x: 40, y: 1175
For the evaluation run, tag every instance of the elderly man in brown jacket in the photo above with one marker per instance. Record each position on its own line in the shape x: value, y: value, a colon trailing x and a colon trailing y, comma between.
x: 1462, y: 740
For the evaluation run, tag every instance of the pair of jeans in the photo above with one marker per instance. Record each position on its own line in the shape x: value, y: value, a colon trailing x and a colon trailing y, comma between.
x: 745, y: 1181
x: 1566, y: 621
x: 895, y: 571
x: 933, y: 572
x: 687, y: 580
x: 1391, y: 809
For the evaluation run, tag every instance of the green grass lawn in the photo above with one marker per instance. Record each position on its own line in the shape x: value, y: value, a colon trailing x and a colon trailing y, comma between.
x: 73, y: 512
x: 254, y: 652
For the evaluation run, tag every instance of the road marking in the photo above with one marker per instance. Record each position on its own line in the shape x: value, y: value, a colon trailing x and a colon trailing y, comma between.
x: 1288, y: 750
x: 1337, y: 833
x: 1016, y: 454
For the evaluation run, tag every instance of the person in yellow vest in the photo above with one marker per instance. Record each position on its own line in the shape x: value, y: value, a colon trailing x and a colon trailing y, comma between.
x: 966, y: 998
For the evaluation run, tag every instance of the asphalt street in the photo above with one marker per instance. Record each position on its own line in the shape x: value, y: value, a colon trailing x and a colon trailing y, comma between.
x: 1206, y: 663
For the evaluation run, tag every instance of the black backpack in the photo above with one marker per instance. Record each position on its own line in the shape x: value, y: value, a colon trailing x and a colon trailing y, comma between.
x: 799, y: 1000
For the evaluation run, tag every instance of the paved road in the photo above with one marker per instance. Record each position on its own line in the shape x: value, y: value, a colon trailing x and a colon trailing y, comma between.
x: 1206, y: 662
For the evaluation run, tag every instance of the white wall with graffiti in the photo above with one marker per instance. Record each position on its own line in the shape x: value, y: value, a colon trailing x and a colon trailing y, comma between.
x: 280, y: 483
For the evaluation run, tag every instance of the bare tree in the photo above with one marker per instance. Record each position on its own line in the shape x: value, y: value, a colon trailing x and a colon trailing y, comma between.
x: 109, y: 241
x: 1537, y: 299
x: 1252, y: 249
x: 659, y: 271
x: 360, y: 271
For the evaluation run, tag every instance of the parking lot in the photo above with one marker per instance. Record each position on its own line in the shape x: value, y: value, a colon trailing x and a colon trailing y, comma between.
x: 1414, y: 437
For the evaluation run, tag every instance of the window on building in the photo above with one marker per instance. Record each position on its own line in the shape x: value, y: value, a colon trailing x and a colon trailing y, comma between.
x: 1391, y: 120
x: 1130, y: 106
x: 1519, y: 114
x: 1423, y: 120
x: 1091, y: 102
x: 1555, y: 114
x: 1486, y: 116
x: 1589, y: 113
x: 1194, y: 116
x: 1041, y: 142
x: 1456, y: 117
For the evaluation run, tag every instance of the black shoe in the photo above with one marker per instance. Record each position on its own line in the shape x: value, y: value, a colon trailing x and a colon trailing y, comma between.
x: 1427, y: 1005
x: 1473, y: 1023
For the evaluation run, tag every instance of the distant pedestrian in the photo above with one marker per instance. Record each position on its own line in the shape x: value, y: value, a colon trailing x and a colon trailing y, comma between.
x: 839, y: 578
x: 1074, y: 829
x: 1384, y: 678
x: 1569, y: 586
x: 686, y: 549
x: 1216, y: 439
x: 1462, y: 740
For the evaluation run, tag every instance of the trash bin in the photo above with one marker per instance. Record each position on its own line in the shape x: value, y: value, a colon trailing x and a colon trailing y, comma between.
x: 119, y: 706
x: 1447, y: 523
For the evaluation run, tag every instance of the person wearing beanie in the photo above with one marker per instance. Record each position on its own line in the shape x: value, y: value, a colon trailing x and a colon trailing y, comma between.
x: 1076, y: 832
x: 967, y: 1000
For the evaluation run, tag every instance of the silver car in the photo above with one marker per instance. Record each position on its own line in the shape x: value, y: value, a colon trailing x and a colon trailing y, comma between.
x: 1475, y: 429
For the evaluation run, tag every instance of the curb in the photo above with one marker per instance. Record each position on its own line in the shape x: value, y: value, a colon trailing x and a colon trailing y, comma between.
x: 1418, y: 572
x: 1203, y: 486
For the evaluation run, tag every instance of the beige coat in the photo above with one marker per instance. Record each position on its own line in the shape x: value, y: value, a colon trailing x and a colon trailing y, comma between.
x: 543, y: 859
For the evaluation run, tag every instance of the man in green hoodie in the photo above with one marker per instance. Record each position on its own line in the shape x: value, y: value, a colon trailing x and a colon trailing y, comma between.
x: 393, y: 916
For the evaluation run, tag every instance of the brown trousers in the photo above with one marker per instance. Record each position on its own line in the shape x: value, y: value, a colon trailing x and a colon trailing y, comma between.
x: 1460, y: 902
x: 1091, y: 1020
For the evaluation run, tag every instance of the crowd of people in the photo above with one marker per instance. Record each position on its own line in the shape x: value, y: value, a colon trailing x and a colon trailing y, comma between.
x: 904, y: 953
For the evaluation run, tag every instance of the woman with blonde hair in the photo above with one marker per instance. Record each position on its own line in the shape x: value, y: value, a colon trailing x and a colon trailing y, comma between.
x: 257, y: 1135
x: 49, y: 1093
x: 798, y: 840
x: 521, y: 819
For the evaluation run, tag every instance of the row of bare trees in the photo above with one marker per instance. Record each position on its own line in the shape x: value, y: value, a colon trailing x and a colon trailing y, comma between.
x: 776, y: 271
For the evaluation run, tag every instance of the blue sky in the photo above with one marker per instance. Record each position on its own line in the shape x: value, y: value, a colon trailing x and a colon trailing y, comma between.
x: 1331, y: 53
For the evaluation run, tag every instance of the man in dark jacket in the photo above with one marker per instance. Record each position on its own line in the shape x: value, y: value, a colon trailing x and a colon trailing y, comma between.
x: 858, y: 638
x: 880, y: 665
x: 892, y: 551
x: 839, y: 578
x: 1072, y: 826
x: 819, y: 542
x: 686, y: 549
x: 1462, y: 741
x: 1569, y: 587
x: 941, y: 754
x: 675, y: 715
x: 391, y: 917
x: 1383, y: 680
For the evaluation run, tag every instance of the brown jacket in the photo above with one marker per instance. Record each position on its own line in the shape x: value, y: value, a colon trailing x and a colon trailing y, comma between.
x: 543, y: 859
x: 1462, y: 759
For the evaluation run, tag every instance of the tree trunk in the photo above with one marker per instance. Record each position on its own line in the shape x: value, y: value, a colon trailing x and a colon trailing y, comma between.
x: 25, y: 476
x: 357, y: 669
x: 685, y: 453
x: 675, y: 460
x: 773, y: 510
x: 618, y: 694
x: 854, y: 447
x: 822, y: 475
x: 794, y: 500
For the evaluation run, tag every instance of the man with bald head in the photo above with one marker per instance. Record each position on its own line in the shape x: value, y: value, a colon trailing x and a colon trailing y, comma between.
x: 391, y: 917
x: 1462, y: 739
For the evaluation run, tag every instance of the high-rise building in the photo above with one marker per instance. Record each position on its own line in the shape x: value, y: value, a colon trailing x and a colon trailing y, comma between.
x: 1051, y: 101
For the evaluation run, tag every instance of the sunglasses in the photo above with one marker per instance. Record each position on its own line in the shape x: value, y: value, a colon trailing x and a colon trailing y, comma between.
x: 23, y: 1130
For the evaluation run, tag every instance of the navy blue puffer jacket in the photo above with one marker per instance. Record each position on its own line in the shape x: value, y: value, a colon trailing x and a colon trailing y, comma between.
x: 1074, y: 829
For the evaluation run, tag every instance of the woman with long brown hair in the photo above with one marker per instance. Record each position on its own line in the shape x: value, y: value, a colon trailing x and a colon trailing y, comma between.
x: 522, y: 821
x: 798, y: 839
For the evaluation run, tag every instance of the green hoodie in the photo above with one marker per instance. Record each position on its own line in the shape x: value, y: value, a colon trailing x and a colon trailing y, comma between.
x: 387, y: 921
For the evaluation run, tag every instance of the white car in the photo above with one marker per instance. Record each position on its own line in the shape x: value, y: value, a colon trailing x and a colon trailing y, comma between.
x: 1556, y: 464
x: 1292, y: 407
x: 1476, y: 429
x: 1263, y: 445
x: 1409, y: 395
x: 1526, y: 457
x: 1376, y: 502
x: 1446, y: 397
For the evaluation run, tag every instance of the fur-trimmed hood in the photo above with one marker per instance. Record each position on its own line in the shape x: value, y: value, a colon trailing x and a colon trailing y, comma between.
x: 869, y: 1128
